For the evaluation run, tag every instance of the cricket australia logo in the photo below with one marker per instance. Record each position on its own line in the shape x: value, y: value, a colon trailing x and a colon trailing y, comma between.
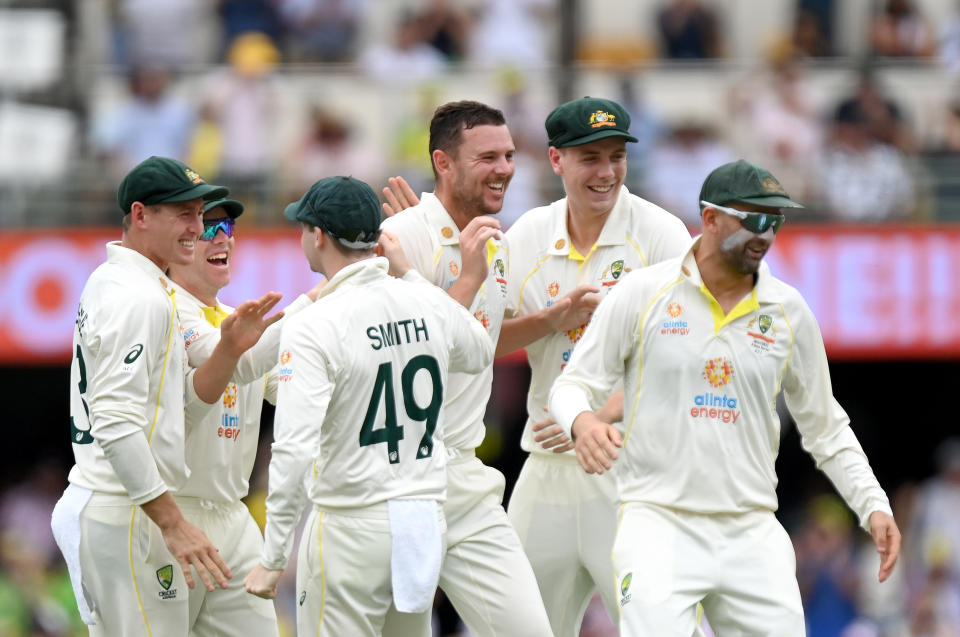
x: 165, y: 577
x: 625, y: 588
x: 615, y: 270
x: 602, y: 118
x: 763, y: 332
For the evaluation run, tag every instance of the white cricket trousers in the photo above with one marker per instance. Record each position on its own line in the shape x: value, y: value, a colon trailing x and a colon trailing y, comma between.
x: 344, y: 582
x: 231, y: 611
x: 740, y: 566
x: 566, y: 520
x: 485, y: 573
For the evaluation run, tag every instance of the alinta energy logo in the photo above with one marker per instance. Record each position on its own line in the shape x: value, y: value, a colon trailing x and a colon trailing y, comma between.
x: 577, y: 334
x: 230, y: 396
x: 675, y: 324
x: 718, y: 372
x: 286, y: 371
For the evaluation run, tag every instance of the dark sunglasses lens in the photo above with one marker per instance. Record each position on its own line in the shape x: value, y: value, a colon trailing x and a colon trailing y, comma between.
x: 759, y: 222
x: 211, y: 228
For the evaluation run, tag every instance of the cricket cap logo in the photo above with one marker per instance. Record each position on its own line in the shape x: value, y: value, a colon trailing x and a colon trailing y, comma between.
x: 718, y: 372
x: 765, y: 321
x: 616, y: 268
x: 602, y: 118
x: 165, y: 576
x: 193, y: 176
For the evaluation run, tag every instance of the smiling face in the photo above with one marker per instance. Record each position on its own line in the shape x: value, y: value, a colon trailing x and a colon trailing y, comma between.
x: 170, y: 231
x: 741, y: 249
x: 209, y: 270
x: 592, y: 174
x: 473, y: 180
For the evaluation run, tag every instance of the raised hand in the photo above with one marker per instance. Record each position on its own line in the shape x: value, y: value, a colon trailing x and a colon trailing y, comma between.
x: 388, y: 246
x: 242, y: 329
x: 399, y: 196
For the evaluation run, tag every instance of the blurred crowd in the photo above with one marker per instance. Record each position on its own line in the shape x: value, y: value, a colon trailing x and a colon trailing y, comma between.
x: 256, y: 94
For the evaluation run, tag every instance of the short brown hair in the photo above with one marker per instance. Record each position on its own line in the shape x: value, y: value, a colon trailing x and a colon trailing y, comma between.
x: 451, y: 119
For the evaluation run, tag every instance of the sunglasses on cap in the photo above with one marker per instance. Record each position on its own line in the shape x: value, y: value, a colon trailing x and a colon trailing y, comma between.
x: 212, y: 226
x: 755, y: 222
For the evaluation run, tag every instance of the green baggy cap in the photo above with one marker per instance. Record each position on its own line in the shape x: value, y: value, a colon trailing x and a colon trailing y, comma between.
x: 343, y: 207
x: 231, y: 206
x: 158, y: 180
x: 586, y: 120
x: 742, y: 181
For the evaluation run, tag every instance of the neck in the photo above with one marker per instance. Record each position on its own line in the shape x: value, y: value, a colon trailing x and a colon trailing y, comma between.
x: 134, y: 242
x: 584, y: 229
x: 726, y: 285
x: 337, y: 261
x: 453, y: 207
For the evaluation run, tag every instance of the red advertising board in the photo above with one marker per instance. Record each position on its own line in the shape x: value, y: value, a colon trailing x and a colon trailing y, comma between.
x: 878, y: 292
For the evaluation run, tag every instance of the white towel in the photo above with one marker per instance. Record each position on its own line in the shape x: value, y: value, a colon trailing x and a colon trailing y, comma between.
x: 65, y: 523
x: 417, y: 550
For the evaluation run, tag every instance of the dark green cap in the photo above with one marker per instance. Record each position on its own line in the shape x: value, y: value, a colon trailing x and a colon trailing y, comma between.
x: 586, y: 120
x: 163, y: 180
x: 230, y: 206
x: 742, y: 181
x: 343, y: 207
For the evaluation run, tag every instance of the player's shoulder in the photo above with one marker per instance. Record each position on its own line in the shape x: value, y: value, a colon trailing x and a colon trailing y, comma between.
x: 648, y: 215
x: 409, y: 219
x: 126, y: 289
x: 652, y: 277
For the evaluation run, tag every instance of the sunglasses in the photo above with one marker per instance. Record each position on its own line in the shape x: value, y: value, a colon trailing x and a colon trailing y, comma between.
x: 755, y: 222
x: 212, y: 226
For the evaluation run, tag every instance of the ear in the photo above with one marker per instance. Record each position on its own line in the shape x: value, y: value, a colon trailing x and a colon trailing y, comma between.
x: 709, y: 219
x: 138, y: 215
x: 554, y: 155
x: 319, y: 238
x: 441, y: 161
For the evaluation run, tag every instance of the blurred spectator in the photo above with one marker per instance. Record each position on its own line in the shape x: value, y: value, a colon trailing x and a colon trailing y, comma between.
x: 244, y: 16
x: 446, y: 27
x: 410, y: 143
x: 858, y: 178
x: 935, y: 533
x: 150, y: 121
x: 679, y: 165
x: 899, y: 30
x: 331, y: 148
x: 688, y: 30
x: 826, y: 569
x: 25, y: 511
x: 174, y: 33
x: 531, y: 143
x: 243, y: 102
x: 408, y: 59
x: 778, y: 118
x: 879, y: 114
x: 645, y: 125
x: 514, y: 33
x: 321, y: 30
x: 813, y: 28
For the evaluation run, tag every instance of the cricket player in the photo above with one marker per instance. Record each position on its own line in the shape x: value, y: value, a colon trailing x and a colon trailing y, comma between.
x: 221, y: 442
x: 564, y: 258
x: 703, y: 344
x: 451, y: 239
x: 363, y: 375
x: 127, y: 545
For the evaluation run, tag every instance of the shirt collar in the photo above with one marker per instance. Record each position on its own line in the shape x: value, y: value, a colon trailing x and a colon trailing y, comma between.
x: 440, y: 220
x: 128, y: 257
x: 614, y: 231
x: 357, y: 273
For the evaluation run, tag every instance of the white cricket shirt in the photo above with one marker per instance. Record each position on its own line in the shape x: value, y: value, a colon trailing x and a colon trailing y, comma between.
x: 544, y: 266
x: 700, y: 392
x: 128, y: 381
x: 221, y: 439
x: 362, y: 376
x: 431, y: 242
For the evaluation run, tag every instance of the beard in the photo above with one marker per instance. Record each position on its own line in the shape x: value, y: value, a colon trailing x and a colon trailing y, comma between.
x: 737, y: 247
